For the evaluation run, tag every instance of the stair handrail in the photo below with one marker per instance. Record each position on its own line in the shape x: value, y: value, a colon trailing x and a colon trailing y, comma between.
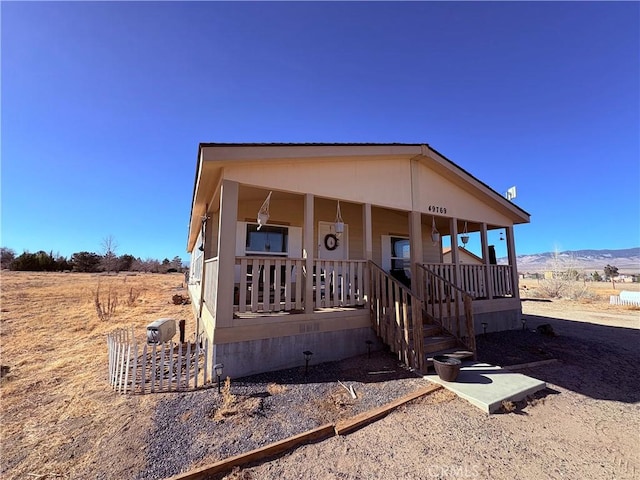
x: 406, y: 339
x: 469, y: 340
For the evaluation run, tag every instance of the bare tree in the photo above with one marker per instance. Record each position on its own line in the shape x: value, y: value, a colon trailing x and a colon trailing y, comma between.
x: 561, y: 280
x: 109, y: 256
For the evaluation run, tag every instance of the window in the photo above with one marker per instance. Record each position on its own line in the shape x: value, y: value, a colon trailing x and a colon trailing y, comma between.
x: 401, y: 259
x: 269, y: 240
x: 400, y: 254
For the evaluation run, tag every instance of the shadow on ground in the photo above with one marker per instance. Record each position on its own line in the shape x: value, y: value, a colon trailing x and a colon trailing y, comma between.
x: 379, y: 366
x: 598, y: 361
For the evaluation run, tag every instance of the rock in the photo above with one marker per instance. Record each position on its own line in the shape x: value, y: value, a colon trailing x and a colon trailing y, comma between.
x: 545, y: 329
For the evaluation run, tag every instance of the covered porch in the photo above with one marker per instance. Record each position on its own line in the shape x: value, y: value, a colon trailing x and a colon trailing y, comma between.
x: 298, y: 263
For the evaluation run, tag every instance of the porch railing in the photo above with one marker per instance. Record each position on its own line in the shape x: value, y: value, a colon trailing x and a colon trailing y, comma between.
x: 502, y: 283
x: 271, y: 284
x: 471, y: 278
x: 339, y: 283
x: 210, y: 281
x: 447, y: 305
x: 396, y: 314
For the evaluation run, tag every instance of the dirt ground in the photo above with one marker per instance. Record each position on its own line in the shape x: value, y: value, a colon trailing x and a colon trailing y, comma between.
x: 59, y: 418
x: 585, y: 425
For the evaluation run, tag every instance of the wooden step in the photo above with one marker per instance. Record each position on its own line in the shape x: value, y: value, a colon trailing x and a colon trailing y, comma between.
x: 431, y: 330
x: 439, y: 342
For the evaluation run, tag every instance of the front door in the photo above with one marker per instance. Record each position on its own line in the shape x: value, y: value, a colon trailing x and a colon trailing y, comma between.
x: 396, y: 257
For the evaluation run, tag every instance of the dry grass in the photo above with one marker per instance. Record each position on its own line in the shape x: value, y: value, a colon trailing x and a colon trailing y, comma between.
x: 58, y: 416
x: 276, y: 389
x: 594, y: 293
x: 229, y: 405
x: 232, y: 405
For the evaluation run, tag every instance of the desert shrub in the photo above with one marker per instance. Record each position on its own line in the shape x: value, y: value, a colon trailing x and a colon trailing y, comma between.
x: 228, y: 406
x: 564, y: 288
x: 105, y: 307
x: 134, y: 294
x: 551, y: 288
x: 579, y: 291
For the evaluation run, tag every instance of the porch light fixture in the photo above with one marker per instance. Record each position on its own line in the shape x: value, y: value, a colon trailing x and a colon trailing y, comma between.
x: 307, y: 356
x: 218, y: 368
x: 263, y: 213
x: 465, y: 236
x: 435, y: 234
x: 339, y: 224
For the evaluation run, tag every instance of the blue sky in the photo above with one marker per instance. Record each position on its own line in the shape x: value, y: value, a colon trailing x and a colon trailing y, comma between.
x: 104, y: 104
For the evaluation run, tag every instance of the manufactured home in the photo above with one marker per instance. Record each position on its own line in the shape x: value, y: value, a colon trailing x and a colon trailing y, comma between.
x: 333, y: 249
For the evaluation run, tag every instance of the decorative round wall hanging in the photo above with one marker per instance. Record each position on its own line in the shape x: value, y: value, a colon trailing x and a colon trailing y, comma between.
x: 330, y: 241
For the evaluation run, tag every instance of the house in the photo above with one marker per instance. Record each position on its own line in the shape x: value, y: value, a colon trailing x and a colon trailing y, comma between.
x: 331, y: 249
x: 464, y: 256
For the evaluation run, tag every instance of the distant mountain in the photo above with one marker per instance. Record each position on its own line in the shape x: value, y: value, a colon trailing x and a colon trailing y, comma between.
x: 627, y: 260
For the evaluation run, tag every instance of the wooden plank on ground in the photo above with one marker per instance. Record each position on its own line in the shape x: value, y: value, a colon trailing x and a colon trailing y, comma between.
x: 271, y: 450
x: 539, y: 363
x: 347, y: 426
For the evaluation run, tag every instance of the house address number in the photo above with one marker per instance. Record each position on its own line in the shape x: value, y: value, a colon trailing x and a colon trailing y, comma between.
x: 437, y: 209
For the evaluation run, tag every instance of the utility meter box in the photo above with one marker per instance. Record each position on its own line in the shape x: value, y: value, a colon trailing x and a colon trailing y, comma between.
x: 162, y: 330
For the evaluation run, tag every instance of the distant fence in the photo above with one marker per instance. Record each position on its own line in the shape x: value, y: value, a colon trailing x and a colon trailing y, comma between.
x: 165, y: 367
x: 625, y: 298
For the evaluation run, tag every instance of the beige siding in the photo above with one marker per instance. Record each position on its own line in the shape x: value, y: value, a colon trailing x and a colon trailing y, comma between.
x: 346, y: 179
x: 459, y: 202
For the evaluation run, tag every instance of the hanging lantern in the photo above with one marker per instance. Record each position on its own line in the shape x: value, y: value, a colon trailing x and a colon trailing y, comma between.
x: 339, y: 224
x: 465, y: 236
x: 435, y: 235
x: 263, y: 213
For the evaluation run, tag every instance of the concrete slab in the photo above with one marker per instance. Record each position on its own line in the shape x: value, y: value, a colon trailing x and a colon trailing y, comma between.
x: 487, y: 386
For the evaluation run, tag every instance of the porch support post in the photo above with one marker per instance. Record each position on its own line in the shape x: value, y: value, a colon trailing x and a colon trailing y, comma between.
x: 367, y: 230
x: 308, y: 243
x: 415, y: 245
x: 455, y: 257
x: 488, y: 283
x: 226, y: 253
x: 415, y: 223
x: 367, y: 227
x: 511, y: 254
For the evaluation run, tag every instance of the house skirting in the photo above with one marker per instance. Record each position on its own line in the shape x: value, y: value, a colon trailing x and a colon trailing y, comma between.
x: 269, y: 354
x: 499, y: 315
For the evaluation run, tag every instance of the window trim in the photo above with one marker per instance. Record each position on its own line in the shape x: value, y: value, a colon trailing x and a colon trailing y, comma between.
x: 262, y: 253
